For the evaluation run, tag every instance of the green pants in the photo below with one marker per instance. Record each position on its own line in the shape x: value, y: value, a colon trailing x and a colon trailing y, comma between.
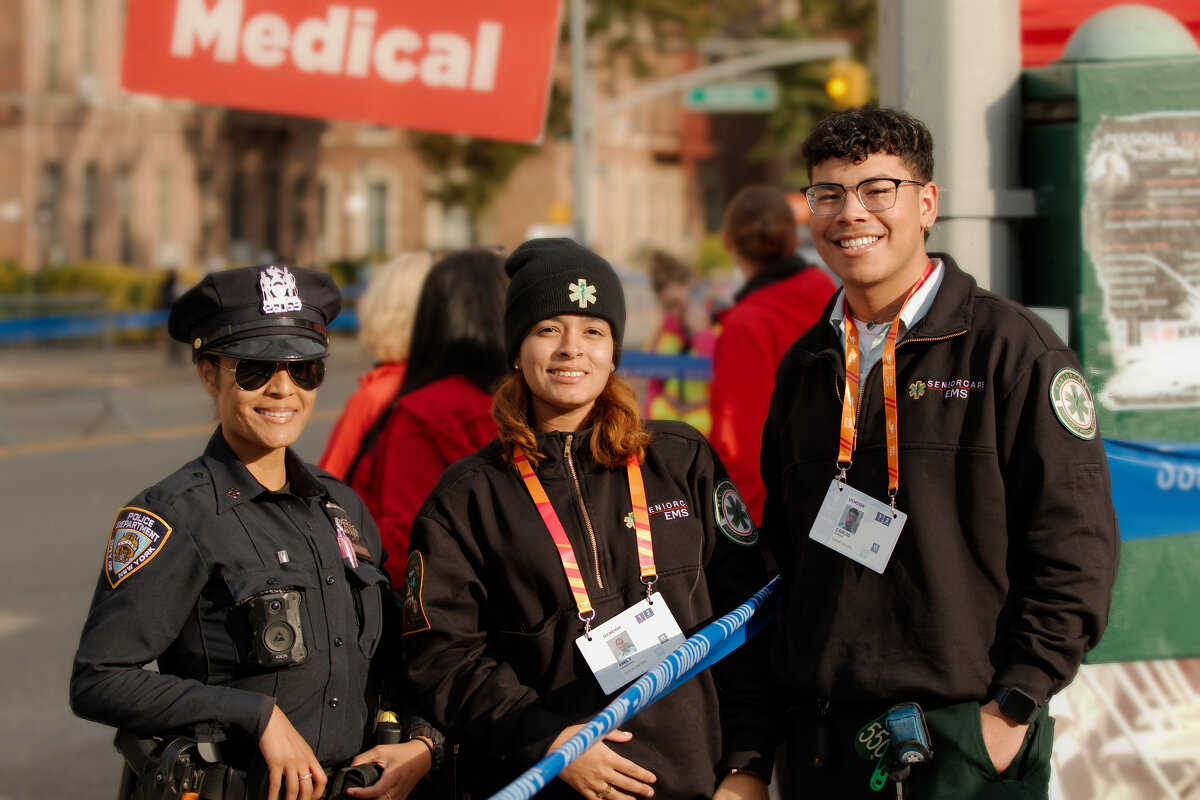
x: 960, y: 770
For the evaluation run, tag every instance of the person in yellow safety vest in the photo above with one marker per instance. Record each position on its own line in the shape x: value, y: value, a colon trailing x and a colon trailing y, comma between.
x: 685, y: 330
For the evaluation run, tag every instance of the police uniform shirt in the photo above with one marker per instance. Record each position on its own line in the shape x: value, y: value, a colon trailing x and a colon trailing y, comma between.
x: 210, y: 536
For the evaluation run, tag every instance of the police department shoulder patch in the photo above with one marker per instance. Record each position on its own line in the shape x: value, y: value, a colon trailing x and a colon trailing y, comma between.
x: 1072, y: 403
x: 415, y: 620
x: 137, y: 536
x: 733, y: 518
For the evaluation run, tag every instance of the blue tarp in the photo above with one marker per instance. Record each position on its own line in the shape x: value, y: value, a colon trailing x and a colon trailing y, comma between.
x: 1156, y: 487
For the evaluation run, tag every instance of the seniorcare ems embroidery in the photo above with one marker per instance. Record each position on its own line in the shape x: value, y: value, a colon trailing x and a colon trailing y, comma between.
x: 1072, y: 403
x: 137, y: 536
x: 415, y: 619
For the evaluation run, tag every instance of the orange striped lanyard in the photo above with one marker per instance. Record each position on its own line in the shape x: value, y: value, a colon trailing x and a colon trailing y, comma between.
x: 641, y: 522
x: 849, y: 427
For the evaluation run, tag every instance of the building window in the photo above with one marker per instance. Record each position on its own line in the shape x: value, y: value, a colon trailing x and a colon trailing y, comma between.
x: 237, y: 206
x: 49, y: 213
x: 125, y: 214
x: 53, y: 22
x: 271, y: 201
x: 377, y: 218
x: 88, y: 55
x: 91, y: 188
x: 299, y: 207
x: 204, y: 186
x: 164, y: 206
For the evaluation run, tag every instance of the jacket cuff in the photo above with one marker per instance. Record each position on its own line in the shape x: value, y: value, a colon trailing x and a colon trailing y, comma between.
x: 266, y: 707
x: 1031, y: 680
x: 534, y: 732
x: 745, y: 753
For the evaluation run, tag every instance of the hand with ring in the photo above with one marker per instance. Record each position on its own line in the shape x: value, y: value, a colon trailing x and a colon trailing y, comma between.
x: 601, y: 774
x: 295, y: 772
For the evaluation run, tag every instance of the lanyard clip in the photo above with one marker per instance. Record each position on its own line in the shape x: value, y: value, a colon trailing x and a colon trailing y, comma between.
x: 587, y: 623
x: 892, y: 497
x: 649, y: 584
x: 841, y: 476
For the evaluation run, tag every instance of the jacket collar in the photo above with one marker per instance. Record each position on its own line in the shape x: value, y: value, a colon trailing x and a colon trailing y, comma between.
x: 951, y: 312
x: 773, y: 271
x: 553, y: 444
x: 233, y: 484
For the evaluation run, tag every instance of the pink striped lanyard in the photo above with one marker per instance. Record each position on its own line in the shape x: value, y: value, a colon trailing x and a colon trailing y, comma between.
x: 641, y: 522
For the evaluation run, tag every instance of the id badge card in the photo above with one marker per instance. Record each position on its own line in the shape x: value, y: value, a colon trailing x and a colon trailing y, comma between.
x: 631, y: 644
x: 858, y: 526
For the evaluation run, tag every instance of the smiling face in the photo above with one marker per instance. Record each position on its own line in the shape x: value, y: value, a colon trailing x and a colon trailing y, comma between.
x: 261, y: 422
x: 566, y: 362
x: 878, y: 255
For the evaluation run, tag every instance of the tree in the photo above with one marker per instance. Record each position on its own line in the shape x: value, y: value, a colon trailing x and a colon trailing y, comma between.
x: 467, y: 172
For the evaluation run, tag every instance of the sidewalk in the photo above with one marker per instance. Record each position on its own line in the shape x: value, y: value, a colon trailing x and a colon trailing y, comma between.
x: 60, y: 392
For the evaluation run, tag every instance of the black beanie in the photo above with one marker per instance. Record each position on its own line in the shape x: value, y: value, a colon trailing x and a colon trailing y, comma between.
x: 551, y: 277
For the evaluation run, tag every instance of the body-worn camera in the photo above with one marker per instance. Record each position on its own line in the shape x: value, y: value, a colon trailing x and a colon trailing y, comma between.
x: 276, y: 638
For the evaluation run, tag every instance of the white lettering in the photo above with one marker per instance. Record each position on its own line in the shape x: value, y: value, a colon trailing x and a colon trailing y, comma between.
x: 395, y: 41
x: 487, y: 53
x: 343, y: 42
x: 194, y: 23
x: 447, y: 62
x: 358, y: 60
x: 320, y: 43
x: 265, y: 40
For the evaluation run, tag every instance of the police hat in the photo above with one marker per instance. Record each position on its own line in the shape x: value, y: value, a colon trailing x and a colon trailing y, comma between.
x: 266, y: 313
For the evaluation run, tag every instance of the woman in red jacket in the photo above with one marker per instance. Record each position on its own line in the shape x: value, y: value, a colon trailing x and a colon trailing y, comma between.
x: 781, y: 299
x: 443, y: 409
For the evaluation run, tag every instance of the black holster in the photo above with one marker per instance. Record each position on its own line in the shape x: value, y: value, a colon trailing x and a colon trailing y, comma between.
x: 166, y: 769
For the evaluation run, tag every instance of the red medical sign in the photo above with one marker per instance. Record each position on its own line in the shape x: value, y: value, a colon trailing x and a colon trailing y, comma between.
x: 475, y: 67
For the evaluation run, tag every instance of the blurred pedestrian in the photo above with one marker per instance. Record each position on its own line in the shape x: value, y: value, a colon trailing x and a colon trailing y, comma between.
x: 782, y: 297
x: 981, y: 567
x: 442, y: 411
x: 635, y: 513
x: 385, y: 317
x: 245, y: 572
x: 684, y: 329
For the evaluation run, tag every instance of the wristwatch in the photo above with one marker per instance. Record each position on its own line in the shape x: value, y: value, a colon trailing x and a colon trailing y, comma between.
x: 1017, y: 705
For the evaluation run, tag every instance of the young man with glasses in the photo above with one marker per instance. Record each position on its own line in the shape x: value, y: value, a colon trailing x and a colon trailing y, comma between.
x: 982, y: 565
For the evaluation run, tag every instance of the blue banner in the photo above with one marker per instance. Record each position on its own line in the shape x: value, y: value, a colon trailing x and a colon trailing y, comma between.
x: 1156, y: 487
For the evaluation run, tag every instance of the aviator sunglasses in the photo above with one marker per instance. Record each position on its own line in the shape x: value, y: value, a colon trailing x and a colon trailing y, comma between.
x: 250, y: 375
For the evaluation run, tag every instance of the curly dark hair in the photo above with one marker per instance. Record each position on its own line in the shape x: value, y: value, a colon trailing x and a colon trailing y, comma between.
x: 858, y: 133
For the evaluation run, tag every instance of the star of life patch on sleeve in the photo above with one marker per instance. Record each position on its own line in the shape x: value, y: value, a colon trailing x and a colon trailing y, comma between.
x: 1072, y: 403
x: 137, y: 536
x: 733, y: 517
x: 415, y: 620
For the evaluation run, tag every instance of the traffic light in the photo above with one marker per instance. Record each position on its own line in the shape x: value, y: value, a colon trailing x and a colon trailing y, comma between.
x: 849, y: 83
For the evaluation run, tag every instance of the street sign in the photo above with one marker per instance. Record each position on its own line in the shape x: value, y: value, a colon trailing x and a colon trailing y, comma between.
x: 760, y: 94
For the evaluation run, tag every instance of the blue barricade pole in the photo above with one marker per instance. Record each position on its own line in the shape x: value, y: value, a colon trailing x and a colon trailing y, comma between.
x: 708, y: 646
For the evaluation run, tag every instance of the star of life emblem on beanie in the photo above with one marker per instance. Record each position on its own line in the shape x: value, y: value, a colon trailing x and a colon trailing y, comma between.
x: 582, y: 293
x: 278, y: 287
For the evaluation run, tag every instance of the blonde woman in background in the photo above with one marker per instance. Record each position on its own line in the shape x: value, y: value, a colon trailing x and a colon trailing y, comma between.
x: 385, y: 317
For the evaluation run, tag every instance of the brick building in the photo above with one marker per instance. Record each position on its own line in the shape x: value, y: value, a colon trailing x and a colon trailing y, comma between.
x: 89, y: 172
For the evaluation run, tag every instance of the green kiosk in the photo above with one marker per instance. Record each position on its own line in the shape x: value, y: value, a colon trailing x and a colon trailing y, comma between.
x: 1111, y: 147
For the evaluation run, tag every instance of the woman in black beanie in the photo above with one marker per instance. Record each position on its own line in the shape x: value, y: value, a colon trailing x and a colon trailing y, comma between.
x: 579, y: 529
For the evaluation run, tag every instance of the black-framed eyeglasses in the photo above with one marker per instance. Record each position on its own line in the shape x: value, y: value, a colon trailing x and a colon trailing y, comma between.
x: 249, y: 374
x: 875, y: 194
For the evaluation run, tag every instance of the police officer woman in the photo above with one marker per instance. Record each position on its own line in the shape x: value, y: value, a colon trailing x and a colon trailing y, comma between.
x: 251, y: 577
x: 580, y: 527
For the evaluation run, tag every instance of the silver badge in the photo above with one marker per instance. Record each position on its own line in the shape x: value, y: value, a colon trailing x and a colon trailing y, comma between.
x: 278, y: 288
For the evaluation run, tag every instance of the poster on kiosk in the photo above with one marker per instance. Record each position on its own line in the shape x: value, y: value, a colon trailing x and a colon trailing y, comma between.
x: 458, y: 66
